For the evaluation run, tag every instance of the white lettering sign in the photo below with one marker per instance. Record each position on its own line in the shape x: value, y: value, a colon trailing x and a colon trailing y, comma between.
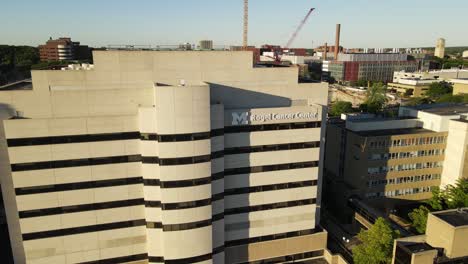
x: 245, y: 118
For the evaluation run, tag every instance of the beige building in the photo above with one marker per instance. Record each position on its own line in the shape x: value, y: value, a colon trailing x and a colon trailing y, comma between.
x: 440, y: 48
x: 460, y: 86
x: 412, y: 87
x: 445, y: 241
x: 164, y: 157
x: 390, y: 161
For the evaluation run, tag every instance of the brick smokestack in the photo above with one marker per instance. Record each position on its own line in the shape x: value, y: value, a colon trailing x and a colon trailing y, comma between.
x: 337, y: 39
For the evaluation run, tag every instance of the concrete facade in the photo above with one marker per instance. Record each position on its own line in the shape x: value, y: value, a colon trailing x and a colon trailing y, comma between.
x: 164, y: 157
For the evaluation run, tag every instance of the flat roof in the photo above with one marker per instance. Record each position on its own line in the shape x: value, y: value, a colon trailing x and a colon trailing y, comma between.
x: 457, y: 217
x: 393, y: 132
x: 442, y: 109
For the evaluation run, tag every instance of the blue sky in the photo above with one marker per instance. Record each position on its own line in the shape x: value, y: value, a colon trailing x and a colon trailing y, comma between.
x: 365, y: 23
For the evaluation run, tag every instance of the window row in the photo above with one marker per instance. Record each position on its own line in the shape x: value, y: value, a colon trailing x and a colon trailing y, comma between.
x: 407, y: 142
x: 83, y: 229
x: 80, y: 208
x: 177, y: 206
x: 268, y: 127
x: 407, y: 154
x: 176, y: 137
x: 77, y: 186
x: 262, y: 207
x: 176, y: 161
x: 404, y: 167
x: 179, y: 227
x: 252, y: 240
x: 74, y: 163
x: 271, y: 187
x: 177, y: 184
x: 265, y: 148
x: 17, y: 142
x: 402, y: 180
x: 401, y: 192
x: 276, y: 167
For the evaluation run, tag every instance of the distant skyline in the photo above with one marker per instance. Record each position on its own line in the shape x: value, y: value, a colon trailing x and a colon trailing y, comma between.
x: 365, y: 23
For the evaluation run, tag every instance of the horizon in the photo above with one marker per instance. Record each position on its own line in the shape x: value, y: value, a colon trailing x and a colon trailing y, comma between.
x: 364, y: 25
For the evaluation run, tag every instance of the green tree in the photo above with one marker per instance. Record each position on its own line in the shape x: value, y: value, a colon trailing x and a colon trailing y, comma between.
x: 413, y: 101
x: 377, y: 244
x: 375, y: 98
x: 457, y: 195
x: 419, y: 218
x: 452, y: 197
x: 438, y: 89
x: 437, y: 200
x: 449, y: 98
x: 341, y: 107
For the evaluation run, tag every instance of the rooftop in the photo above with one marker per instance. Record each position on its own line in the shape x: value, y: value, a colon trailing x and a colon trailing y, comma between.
x: 457, y: 217
x: 443, y: 109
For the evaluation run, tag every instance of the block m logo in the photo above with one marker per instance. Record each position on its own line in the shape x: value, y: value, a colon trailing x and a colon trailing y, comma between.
x: 240, y: 118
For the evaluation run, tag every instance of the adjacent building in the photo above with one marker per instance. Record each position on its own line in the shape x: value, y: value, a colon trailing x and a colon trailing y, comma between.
x: 445, y: 241
x: 63, y: 49
x: 389, y: 161
x: 164, y: 157
x: 378, y: 67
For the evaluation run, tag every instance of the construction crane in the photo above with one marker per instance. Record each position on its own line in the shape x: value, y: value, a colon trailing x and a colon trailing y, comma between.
x: 294, y: 35
x: 277, y: 52
x: 246, y: 24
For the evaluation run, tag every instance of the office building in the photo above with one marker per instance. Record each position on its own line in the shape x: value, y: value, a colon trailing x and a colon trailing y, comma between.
x: 206, y: 44
x: 63, y: 49
x: 164, y: 157
x: 389, y: 161
x: 377, y: 67
x: 440, y: 48
x: 445, y: 241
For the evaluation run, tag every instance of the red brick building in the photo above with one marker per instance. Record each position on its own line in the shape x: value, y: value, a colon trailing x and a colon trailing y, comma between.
x: 63, y: 49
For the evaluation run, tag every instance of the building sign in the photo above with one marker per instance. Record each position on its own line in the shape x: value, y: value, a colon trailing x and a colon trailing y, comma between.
x: 245, y: 118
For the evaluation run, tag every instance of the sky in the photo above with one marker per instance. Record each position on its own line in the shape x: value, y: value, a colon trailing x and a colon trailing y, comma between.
x: 364, y: 23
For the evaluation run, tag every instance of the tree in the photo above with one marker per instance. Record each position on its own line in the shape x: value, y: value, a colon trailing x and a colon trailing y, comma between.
x: 419, y: 218
x: 452, y: 197
x: 341, y: 107
x: 449, y: 98
x: 457, y: 195
x: 377, y: 244
x: 375, y: 98
x: 437, y: 89
x: 417, y: 101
